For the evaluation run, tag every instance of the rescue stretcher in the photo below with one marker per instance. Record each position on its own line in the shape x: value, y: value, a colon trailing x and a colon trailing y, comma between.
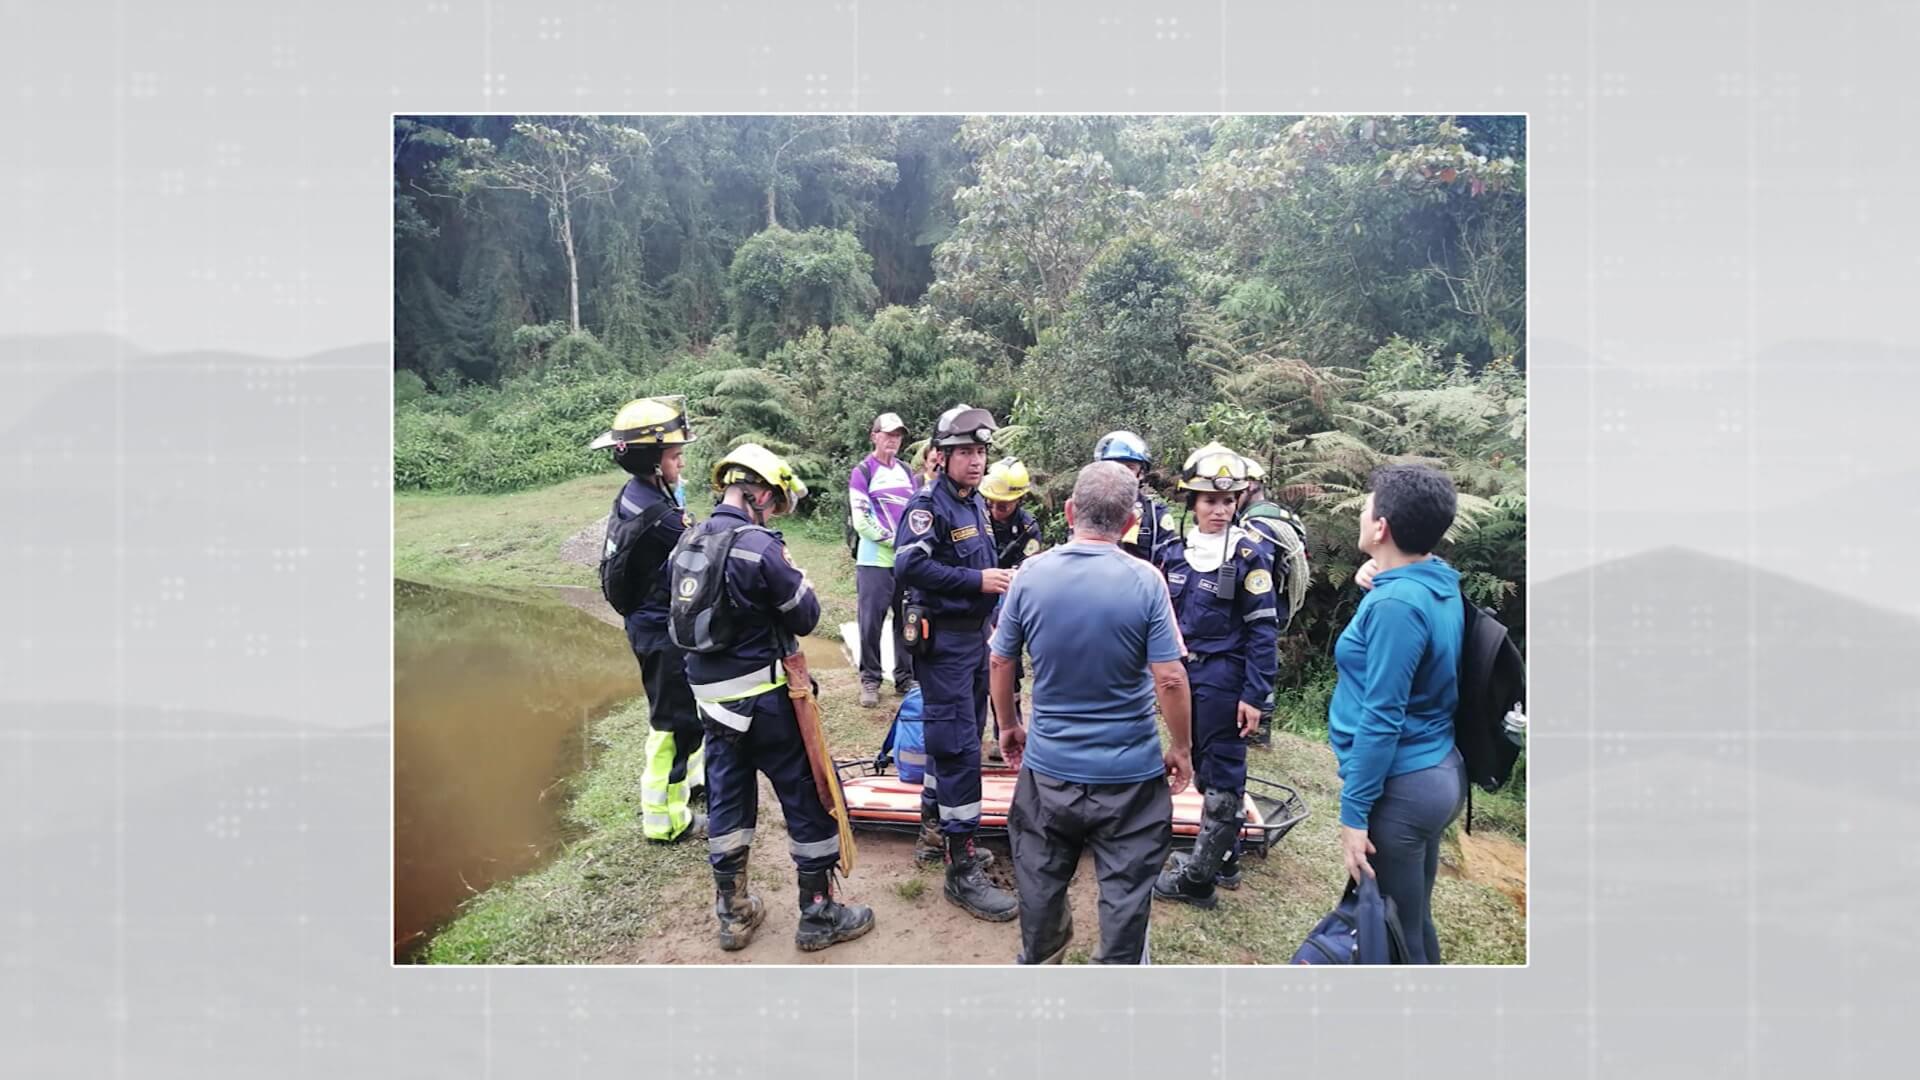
x: 879, y: 801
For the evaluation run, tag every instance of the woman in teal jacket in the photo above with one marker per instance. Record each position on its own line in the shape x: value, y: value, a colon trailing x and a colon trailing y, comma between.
x: 1391, y: 717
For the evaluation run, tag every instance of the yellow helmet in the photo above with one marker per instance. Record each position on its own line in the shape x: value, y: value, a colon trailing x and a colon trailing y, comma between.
x: 1213, y: 467
x: 1007, y: 481
x: 753, y: 463
x: 658, y: 421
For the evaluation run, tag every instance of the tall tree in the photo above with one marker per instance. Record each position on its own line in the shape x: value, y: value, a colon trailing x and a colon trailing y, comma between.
x: 560, y: 161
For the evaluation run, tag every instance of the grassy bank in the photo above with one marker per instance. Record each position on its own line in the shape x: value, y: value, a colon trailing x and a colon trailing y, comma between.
x: 609, y: 893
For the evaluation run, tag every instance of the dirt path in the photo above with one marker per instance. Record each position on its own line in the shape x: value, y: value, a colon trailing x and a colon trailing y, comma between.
x: 913, y: 921
x: 1494, y: 860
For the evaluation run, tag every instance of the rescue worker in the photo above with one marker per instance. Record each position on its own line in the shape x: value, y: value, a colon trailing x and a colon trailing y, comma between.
x: 740, y: 606
x: 945, y: 555
x: 1149, y: 539
x: 647, y: 439
x: 1223, y: 595
x: 1016, y: 535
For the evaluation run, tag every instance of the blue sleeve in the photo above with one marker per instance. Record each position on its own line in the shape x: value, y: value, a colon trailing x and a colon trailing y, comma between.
x: 914, y: 561
x: 788, y: 591
x: 1260, y: 614
x: 1396, y: 634
x: 1163, y: 628
x: 1011, y: 634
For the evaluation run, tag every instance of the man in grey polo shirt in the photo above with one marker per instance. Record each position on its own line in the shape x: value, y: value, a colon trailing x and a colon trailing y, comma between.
x: 1105, y: 645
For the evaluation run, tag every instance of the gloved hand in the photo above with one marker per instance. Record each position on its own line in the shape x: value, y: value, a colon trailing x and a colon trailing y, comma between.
x: 1517, y: 726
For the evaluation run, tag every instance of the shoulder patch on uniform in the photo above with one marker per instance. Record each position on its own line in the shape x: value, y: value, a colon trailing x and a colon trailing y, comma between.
x: 786, y: 556
x: 1032, y: 546
x: 686, y: 519
x: 920, y: 521
x: 1166, y: 520
x: 967, y: 533
x: 1259, y: 582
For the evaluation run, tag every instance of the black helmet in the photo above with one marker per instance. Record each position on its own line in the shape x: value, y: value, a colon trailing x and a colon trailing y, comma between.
x: 964, y: 425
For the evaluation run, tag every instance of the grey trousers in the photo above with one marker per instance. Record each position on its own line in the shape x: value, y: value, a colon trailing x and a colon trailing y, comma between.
x: 878, y: 596
x: 1408, y: 819
x: 1129, y: 827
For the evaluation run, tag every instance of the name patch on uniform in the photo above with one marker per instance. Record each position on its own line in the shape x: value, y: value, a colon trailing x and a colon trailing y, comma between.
x: 1176, y: 580
x: 920, y: 521
x: 1259, y: 582
x: 967, y: 533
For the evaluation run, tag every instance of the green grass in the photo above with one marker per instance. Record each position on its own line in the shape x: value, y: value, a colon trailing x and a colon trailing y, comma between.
x: 603, y: 890
x: 498, y: 539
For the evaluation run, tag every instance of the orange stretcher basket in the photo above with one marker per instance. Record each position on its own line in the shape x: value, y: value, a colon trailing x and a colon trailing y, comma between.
x: 880, y: 801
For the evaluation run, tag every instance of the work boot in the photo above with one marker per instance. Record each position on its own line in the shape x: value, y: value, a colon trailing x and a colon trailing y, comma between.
x: 1228, y: 876
x: 823, y: 920
x: 968, y: 887
x: 1192, y: 881
x: 869, y: 695
x: 905, y: 686
x: 930, y: 848
x: 739, y: 911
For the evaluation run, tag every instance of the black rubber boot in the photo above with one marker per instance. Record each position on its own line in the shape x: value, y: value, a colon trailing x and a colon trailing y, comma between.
x: 1228, y: 876
x: 823, y: 920
x: 931, y: 848
x: 968, y: 887
x: 1192, y: 882
x: 739, y: 911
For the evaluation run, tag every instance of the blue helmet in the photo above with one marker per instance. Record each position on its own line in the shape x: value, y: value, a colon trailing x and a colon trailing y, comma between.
x: 1122, y: 446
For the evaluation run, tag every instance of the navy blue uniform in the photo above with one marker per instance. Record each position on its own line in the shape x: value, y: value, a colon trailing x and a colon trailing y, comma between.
x: 944, y: 542
x: 1231, y: 647
x: 1015, y: 538
x: 670, y: 709
x: 742, y: 694
x: 1155, y: 533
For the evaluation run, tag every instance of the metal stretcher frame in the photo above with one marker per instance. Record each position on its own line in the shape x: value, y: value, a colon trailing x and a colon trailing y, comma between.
x: 879, y: 801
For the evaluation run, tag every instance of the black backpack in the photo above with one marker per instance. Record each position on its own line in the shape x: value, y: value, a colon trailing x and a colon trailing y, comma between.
x: 1493, y: 678
x: 1364, y: 928
x: 701, y: 615
x: 623, y: 580
x: 865, y: 469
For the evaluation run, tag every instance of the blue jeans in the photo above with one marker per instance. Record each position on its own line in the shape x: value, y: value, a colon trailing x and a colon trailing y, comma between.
x: 1406, y: 824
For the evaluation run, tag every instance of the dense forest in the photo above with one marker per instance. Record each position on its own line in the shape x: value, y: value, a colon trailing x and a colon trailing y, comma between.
x: 1322, y: 293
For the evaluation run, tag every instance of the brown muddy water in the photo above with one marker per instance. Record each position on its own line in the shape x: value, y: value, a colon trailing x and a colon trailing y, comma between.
x: 493, y: 696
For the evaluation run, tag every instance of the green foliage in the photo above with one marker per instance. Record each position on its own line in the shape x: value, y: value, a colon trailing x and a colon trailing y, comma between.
x: 786, y: 282
x: 1325, y: 294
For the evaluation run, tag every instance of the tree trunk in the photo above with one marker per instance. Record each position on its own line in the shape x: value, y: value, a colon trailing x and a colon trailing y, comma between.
x: 573, y: 263
x: 772, y: 197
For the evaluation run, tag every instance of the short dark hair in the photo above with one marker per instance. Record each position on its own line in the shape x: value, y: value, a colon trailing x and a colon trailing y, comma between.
x: 641, y: 461
x: 1418, y: 502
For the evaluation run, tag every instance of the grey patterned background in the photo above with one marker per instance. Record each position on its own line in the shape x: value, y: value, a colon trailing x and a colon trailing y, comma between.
x: 194, y: 548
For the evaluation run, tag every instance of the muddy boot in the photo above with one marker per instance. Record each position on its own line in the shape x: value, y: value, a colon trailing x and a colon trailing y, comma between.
x: 869, y: 695
x: 968, y: 887
x: 823, y: 920
x: 1228, y: 876
x: 1192, y: 881
x: 930, y: 849
x: 739, y: 911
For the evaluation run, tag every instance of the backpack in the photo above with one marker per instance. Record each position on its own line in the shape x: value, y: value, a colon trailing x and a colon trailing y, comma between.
x: 865, y: 469
x: 905, y: 745
x: 1493, y: 678
x: 701, y: 614
x: 623, y: 582
x: 1364, y: 928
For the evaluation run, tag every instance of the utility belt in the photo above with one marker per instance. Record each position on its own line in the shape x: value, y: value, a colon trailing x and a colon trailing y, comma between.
x: 922, y: 627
